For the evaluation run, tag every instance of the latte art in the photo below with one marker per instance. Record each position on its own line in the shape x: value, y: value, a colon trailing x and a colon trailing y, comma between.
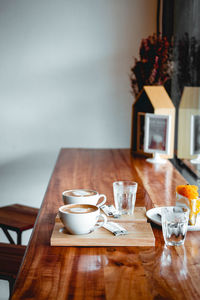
x: 79, y: 209
x: 80, y: 193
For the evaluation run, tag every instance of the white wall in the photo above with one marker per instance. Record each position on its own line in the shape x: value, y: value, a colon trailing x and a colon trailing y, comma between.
x: 64, y: 82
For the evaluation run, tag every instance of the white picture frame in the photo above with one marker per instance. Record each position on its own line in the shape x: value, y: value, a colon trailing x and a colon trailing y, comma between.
x: 195, y: 135
x: 157, y: 133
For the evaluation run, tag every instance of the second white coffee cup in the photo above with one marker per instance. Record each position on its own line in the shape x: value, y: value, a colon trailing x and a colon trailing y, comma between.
x: 83, y: 196
x: 81, y: 218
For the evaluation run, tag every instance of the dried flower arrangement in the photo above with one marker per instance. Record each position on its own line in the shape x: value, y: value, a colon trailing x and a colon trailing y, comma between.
x: 155, y: 66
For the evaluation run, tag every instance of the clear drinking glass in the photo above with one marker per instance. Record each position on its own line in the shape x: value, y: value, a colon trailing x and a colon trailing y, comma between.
x: 174, y: 225
x: 125, y: 196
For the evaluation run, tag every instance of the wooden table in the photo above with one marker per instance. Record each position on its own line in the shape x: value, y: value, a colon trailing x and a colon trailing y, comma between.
x: 108, y: 272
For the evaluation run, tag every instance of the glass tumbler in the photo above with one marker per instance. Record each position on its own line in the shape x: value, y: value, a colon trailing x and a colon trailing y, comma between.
x: 174, y: 224
x: 125, y: 196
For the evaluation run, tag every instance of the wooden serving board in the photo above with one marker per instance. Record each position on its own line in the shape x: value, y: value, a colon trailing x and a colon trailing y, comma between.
x: 139, y: 215
x: 139, y: 233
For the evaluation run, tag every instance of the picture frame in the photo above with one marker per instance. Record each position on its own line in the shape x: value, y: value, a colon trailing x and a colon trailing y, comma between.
x: 157, y: 133
x: 140, y: 131
x: 195, y: 135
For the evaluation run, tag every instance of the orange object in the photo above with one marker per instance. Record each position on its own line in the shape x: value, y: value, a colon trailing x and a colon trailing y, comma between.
x: 188, y: 191
x: 191, y: 193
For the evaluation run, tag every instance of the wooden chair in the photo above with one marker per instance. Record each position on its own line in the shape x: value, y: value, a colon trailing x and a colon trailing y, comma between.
x: 17, y: 218
x: 10, y: 261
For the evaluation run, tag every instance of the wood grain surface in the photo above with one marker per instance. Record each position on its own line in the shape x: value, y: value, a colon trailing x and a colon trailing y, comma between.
x: 108, y: 272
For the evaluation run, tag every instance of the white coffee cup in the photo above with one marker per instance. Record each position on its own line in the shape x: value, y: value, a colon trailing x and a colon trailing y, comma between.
x: 81, y: 218
x: 84, y: 196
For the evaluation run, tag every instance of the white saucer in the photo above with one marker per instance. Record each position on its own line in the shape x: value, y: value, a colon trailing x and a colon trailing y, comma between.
x: 153, y: 215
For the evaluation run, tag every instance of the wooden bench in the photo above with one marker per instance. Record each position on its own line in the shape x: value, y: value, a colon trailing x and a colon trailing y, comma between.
x: 17, y: 218
x: 10, y: 261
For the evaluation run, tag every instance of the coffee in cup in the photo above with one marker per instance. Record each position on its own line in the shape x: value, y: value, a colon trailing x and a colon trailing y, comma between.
x: 81, y: 218
x: 83, y: 196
